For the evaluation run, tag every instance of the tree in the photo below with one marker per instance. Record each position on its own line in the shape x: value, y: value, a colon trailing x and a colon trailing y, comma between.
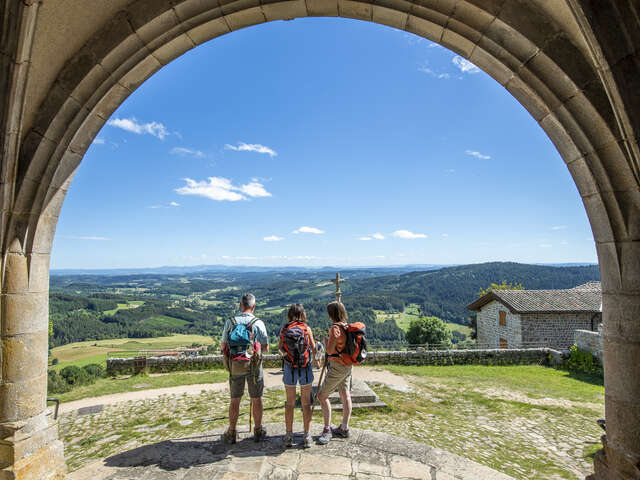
x: 502, y: 286
x: 431, y: 330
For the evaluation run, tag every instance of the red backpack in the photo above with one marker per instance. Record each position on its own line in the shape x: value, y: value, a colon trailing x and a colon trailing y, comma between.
x: 355, y: 348
x: 296, y: 342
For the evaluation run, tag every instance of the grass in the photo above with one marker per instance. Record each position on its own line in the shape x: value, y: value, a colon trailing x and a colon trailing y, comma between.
x: 526, y: 427
x: 108, y: 386
x: 97, y: 351
x: 403, y: 320
x: 532, y: 380
x: 124, y: 306
x: 164, y: 321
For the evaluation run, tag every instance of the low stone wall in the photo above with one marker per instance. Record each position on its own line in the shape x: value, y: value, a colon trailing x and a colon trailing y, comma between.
x: 543, y: 356
x: 524, y: 356
x: 589, y: 341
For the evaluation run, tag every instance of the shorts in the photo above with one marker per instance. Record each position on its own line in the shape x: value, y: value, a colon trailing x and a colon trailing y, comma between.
x: 255, y: 384
x: 338, y: 378
x: 294, y: 375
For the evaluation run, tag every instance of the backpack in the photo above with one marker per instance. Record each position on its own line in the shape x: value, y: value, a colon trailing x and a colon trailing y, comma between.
x: 243, y: 348
x: 355, y: 349
x: 296, y: 342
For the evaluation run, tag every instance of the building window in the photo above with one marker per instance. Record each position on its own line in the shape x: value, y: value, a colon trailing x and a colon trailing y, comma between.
x: 503, y: 343
x: 503, y: 318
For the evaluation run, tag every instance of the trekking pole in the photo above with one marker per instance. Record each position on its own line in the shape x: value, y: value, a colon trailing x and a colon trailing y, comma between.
x: 250, y: 409
x: 324, y: 367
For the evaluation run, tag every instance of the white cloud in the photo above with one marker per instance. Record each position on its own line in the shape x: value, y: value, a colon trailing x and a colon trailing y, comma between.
x: 476, y: 154
x: 315, y: 231
x: 406, y: 234
x: 84, y: 237
x: 378, y: 236
x: 98, y: 141
x: 445, y: 235
x: 564, y: 242
x: 132, y: 125
x: 464, y: 65
x: 365, y: 238
x: 169, y: 205
x: 183, y: 152
x: 273, y: 238
x: 450, y: 170
x: 221, y: 189
x: 251, y: 147
x: 254, y: 189
x: 559, y: 227
x: 545, y: 245
x: 428, y: 71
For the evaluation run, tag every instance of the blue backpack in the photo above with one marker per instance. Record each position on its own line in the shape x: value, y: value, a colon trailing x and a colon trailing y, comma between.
x: 241, y: 339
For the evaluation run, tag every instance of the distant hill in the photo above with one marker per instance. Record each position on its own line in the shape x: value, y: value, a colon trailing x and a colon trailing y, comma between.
x: 446, y: 292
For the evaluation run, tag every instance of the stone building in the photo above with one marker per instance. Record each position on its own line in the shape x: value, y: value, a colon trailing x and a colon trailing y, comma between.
x: 535, y: 318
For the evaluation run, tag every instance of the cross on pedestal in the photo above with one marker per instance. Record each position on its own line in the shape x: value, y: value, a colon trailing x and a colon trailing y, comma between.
x: 337, y: 282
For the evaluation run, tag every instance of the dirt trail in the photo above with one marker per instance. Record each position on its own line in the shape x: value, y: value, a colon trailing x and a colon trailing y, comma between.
x: 272, y: 378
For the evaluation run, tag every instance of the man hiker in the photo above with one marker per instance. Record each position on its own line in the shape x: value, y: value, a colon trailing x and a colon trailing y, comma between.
x: 244, y: 338
x: 338, y: 375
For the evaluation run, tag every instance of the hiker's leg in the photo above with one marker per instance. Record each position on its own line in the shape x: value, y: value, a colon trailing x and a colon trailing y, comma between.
x: 289, y: 406
x: 256, y: 406
x: 234, y: 411
x: 305, y: 396
x: 345, y: 396
x: 323, y: 400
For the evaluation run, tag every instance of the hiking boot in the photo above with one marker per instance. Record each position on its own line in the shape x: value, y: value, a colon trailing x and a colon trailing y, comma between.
x: 326, y: 436
x: 340, y: 432
x: 288, y: 439
x: 307, y: 440
x: 229, y: 437
x: 259, y: 434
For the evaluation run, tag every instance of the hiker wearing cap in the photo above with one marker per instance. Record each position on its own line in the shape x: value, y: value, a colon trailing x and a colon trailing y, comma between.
x: 338, y: 375
x: 244, y: 338
x: 298, y: 350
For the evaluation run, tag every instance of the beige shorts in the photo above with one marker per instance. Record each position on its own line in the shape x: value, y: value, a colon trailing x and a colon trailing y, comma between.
x: 338, y: 378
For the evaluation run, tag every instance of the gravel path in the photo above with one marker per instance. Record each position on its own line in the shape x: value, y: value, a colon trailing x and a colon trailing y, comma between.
x: 272, y: 378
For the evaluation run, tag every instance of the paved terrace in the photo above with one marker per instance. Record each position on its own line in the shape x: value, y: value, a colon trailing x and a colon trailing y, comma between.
x: 365, y: 456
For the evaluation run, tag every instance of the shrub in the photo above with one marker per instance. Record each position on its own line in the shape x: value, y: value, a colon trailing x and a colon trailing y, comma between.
x: 94, y: 370
x: 54, y: 361
x: 431, y: 330
x: 55, y: 383
x: 75, y: 376
x: 582, y: 361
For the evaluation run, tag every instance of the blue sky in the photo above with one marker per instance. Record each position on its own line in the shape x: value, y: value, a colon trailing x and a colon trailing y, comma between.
x: 320, y: 142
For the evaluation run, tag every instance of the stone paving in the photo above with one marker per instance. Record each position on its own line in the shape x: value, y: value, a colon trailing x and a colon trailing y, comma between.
x: 365, y: 455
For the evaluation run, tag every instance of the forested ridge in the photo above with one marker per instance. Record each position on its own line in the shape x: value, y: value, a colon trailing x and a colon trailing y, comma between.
x: 94, y: 307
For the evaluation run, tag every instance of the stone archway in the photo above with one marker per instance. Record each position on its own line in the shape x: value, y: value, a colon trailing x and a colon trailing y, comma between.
x: 67, y: 65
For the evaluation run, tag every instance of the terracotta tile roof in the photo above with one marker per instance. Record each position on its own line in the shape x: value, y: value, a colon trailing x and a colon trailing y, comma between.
x: 583, y: 298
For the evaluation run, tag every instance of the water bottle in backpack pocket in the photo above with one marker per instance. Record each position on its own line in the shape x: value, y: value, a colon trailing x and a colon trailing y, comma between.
x: 244, y: 350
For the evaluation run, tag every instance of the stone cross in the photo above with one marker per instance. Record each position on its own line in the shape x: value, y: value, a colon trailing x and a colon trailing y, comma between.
x: 338, y: 281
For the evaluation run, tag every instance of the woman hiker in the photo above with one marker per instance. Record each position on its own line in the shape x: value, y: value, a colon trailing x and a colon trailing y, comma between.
x: 298, y: 350
x: 338, y: 375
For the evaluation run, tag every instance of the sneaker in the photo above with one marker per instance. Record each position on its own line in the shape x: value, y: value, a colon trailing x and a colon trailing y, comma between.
x: 259, y: 434
x: 288, y: 439
x: 340, y: 432
x: 229, y: 437
x: 326, y: 436
x: 307, y: 440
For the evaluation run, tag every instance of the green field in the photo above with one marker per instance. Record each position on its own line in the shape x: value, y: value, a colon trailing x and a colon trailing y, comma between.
x: 108, y: 386
x: 164, y: 321
x: 84, y: 353
x: 411, y: 312
x: 124, y: 306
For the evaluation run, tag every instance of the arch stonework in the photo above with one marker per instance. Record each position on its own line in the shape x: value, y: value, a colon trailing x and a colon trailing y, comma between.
x: 68, y: 64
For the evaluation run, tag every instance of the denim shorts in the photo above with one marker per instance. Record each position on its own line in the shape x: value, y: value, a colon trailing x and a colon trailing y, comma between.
x: 294, y: 375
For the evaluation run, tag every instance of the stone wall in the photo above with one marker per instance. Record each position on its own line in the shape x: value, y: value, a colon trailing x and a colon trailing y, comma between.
x: 589, y: 341
x: 543, y: 356
x: 554, y: 330
x: 490, y: 331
